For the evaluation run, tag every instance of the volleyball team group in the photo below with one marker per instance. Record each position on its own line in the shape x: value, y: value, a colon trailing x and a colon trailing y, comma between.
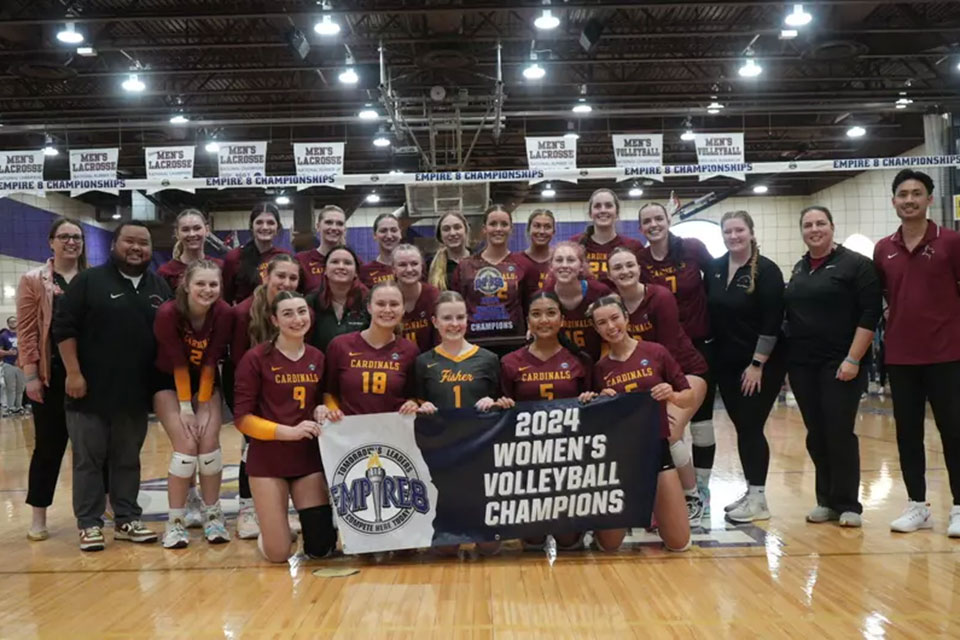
x: 290, y: 342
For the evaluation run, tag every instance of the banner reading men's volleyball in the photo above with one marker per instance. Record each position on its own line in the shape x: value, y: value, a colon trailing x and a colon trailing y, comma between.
x: 721, y: 154
x: 314, y: 159
x: 641, y: 152
x: 21, y: 171
x: 461, y: 476
x: 552, y: 153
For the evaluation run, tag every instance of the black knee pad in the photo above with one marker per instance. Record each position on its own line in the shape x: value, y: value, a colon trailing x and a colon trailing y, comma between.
x: 319, y: 536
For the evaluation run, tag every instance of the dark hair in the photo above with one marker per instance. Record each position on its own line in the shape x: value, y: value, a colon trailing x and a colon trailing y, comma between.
x: 357, y: 291
x: 816, y: 208
x: 562, y: 337
x: 380, y: 218
x: 59, y: 222
x: 588, y: 231
x: 280, y: 297
x: 606, y: 301
x: 493, y: 209
x: 674, y: 243
x: 181, y: 294
x: 437, y: 273
x: 540, y: 212
x: 260, y: 328
x: 447, y: 296
x: 910, y: 174
x: 249, y: 256
x: 128, y: 223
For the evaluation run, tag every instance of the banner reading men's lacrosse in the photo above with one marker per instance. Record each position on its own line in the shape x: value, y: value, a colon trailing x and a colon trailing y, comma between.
x: 461, y: 476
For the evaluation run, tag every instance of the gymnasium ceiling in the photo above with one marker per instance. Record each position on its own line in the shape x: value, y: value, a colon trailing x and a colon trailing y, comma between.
x: 228, y: 65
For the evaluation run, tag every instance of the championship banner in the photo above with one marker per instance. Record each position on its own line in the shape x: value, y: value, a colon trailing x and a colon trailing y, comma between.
x: 552, y: 153
x: 169, y: 163
x: 641, y: 152
x: 319, y: 159
x: 721, y: 149
x: 94, y: 170
x: 238, y: 160
x: 21, y: 172
x: 462, y: 476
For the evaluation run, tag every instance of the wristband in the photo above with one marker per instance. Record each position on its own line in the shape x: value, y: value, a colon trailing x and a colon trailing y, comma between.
x: 756, y: 363
x: 852, y: 361
x: 186, y: 408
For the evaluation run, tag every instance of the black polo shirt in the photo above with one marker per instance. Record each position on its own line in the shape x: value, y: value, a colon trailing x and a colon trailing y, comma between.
x: 825, y: 306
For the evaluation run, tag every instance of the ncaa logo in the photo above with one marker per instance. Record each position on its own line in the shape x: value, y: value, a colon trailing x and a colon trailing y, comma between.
x: 564, y: 365
x: 644, y: 362
x: 376, y: 489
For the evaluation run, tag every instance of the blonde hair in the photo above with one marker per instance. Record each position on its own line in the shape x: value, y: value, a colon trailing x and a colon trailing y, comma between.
x: 754, y: 247
x: 437, y: 275
x: 177, y: 245
x: 261, y: 329
x: 182, y: 293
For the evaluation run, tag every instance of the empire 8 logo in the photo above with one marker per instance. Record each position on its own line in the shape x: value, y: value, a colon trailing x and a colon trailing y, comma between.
x: 376, y: 489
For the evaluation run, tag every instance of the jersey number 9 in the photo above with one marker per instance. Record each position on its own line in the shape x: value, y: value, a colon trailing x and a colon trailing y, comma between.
x: 300, y: 395
x: 379, y: 382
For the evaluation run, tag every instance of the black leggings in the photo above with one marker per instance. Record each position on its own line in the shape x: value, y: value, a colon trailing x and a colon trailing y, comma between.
x: 749, y: 413
x: 912, y: 386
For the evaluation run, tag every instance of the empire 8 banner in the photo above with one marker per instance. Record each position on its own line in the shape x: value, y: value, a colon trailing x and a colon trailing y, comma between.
x: 399, y: 482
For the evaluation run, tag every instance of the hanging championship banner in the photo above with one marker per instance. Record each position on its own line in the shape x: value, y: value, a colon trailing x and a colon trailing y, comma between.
x: 643, y: 153
x: 461, y: 476
x: 168, y: 165
x: 318, y: 159
x: 238, y: 160
x: 21, y: 172
x: 552, y: 153
x: 721, y: 154
x: 94, y: 170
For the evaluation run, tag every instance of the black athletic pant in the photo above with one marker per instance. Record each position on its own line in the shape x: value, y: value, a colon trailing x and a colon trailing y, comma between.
x: 912, y: 386
x: 749, y: 413
x: 50, y: 434
x: 829, y: 409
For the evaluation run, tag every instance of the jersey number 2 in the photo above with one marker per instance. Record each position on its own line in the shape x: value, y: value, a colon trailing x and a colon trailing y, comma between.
x: 379, y: 379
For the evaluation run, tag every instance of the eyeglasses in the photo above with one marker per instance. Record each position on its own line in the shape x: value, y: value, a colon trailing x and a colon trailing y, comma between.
x: 69, y: 237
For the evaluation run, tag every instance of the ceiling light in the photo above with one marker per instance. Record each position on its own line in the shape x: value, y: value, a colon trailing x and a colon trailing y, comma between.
x: 548, y: 191
x: 282, y: 200
x: 373, y: 198
x: 571, y: 135
x: 179, y: 119
x: 212, y: 147
x: 86, y: 51
x: 326, y: 26
x: 49, y: 150
x: 395, y: 172
x: 760, y: 188
x: 904, y: 102
x: 381, y: 140
x: 713, y: 112
x: 547, y: 21
x: 349, y: 76
x: 958, y: 66
x: 133, y: 84
x: 533, y: 71
x: 582, y: 106
x: 856, y: 131
x: 69, y: 34
x: 788, y: 34
x: 715, y: 105
x: 368, y: 113
x: 116, y: 216
x: 798, y: 17
x: 688, y: 135
x: 750, y: 69
x: 635, y: 192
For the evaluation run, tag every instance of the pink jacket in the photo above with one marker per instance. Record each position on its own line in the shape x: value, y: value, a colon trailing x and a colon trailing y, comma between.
x: 34, y: 317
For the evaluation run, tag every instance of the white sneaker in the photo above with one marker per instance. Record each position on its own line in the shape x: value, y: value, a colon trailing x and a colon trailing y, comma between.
x: 754, y: 507
x: 736, y: 503
x: 915, y: 516
x: 248, y: 527
x: 954, y: 529
x: 821, y: 513
x: 194, y: 516
x: 214, y: 528
x: 851, y: 519
x: 175, y: 535
x: 694, y: 511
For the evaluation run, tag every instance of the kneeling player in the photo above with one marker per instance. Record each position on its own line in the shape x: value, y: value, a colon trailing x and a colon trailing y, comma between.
x: 277, y: 392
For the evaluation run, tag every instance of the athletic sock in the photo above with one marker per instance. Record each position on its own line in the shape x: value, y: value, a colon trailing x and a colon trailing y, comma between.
x: 319, y: 536
x: 756, y: 490
x: 703, y: 475
x: 175, y: 514
x: 691, y: 493
x: 246, y: 503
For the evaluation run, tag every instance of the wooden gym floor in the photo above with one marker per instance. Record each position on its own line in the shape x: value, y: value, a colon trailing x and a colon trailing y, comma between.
x: 783, y: 579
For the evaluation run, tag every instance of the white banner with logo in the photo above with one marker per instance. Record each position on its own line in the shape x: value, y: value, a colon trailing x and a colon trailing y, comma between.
x: 94, y: 170
x: 318, y: 159
x: 380, y: 485
x: 240, y: 160
x: 168, y: 165
x: 21, y: 172
x: 641, y: 152
x: 724, y: 152
x: 552, y: 153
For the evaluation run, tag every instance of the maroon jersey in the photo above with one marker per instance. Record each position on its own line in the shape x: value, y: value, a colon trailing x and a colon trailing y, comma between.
x: 375, y: 272
x: 576, y: 325
x: 364, y: 380
x: 182, y: 350
x: 524, y: 376
x: 236, y: 286
x: 534, y: 274
x: 598, y: 254
x: 173, y: 271
x: 272, y: 389
x: 311, y: 263
x: 493, y: 294
x: 657, y: 320
x: 683, y: 274
x: 648, y: 365
x: 920, y: 287
x: 417, y: 324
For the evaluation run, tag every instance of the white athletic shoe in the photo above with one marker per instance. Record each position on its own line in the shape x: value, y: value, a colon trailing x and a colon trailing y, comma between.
x: 694, y: 511
x: 851, y: 519
x: 194, y: 516
x: 915, y: 516
x: 736, y: 503
x: 821, y: 513
x: 954, y: 529
x: 175, y: 535
x: 248, y: 527
x: 754, y: 507
x: 214, y: 528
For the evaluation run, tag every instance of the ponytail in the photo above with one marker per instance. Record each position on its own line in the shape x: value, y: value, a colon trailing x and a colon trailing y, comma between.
x: 754, y: 258
x: 437, y: 275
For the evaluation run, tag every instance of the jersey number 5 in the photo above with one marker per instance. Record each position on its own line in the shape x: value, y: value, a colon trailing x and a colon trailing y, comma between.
x: 300, y: 395
x: 546, y: 391
x: 379, y: 380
